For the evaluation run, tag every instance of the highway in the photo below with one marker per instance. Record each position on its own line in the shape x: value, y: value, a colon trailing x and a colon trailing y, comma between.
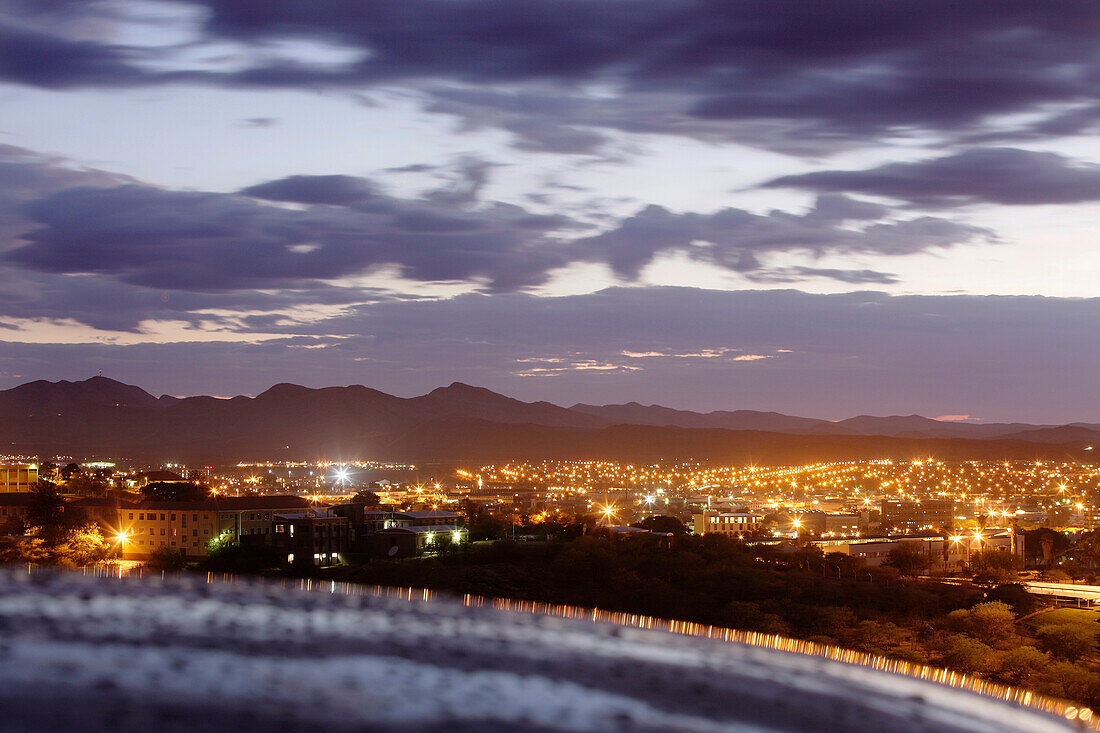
x: 1068, y: 591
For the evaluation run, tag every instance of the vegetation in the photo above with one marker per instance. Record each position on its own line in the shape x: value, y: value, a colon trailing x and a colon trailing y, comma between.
x: 175, y: 491
x: 804, y: 594
x: 54, y: 534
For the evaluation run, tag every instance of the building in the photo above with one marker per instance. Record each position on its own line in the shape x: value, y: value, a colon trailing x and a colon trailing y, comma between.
x: 413, y: 540
x: 181, y: 525
x: 189, y: 526
x: 730, y: 524
x: 917, y: 516
x: 429, y: 518
x: 949, y: 554
x: 313, y: 537
x: 13, y: 511
x: 820, y: 524
x: 18, y: 478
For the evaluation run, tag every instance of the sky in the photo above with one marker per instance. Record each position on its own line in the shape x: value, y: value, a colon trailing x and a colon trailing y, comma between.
x: 823, y: 209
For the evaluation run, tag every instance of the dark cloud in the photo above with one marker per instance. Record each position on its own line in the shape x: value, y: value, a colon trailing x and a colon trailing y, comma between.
x: 736, y: 239
x: 41, y: 59
x: 260, y: 122
x: 336, y: 190
x: 769, y: 73
x: 993, y: 175
x: 796, y: 274
x: 825, y: 355
x: 300, y: 233
x: 183, y: 240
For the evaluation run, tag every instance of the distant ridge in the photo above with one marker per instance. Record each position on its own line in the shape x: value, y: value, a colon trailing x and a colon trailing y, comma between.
x: 104, y: 417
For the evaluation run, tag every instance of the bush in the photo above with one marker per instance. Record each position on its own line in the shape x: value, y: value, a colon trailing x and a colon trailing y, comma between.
x: 167, y: 558
x: 1067, y: 641
x: 993, y: 622
x: 966, y: 654
x: 1020, y: 664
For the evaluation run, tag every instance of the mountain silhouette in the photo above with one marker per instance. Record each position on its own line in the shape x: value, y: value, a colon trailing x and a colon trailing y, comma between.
x: 101, y: 417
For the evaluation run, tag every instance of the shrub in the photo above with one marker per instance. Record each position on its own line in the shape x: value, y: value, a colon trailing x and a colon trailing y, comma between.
x: 1019, y: 664
x: 167, y: 558
x: 966, y: 654
x: 1067, y: 641
x: 993, y: 622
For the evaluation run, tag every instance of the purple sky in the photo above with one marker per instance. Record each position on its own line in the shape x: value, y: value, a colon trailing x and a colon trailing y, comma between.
x: 854, y: 207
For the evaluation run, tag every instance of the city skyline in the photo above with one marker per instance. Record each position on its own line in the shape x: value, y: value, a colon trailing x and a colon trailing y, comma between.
x: 880, y: 209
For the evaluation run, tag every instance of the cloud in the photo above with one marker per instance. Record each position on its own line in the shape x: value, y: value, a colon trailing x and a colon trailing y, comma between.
x: 339, y: 226
x: 335, y: 190
x: 306, y: 233
x: 736, y: 239
x: 829, y: 356
x: 259, y: 122
x: 1006, y: 176
x: 559, y: 73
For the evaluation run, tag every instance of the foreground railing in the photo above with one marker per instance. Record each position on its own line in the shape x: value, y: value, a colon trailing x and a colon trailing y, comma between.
x: 1081, y: 715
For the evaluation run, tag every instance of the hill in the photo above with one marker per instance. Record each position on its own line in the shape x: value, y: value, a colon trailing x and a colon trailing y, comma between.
x: 101, y: 417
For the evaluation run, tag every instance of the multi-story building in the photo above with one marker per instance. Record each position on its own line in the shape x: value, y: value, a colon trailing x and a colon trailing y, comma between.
x: 411, y: 540
x: 13, y: 511
x: 17, y: 477
x: 916, y: 516
x: 821, y: 524
x: 189, y: 526
x: 185, y: 526
x: 312, y: 537
x: 730, y: 524
x: 951, y: 553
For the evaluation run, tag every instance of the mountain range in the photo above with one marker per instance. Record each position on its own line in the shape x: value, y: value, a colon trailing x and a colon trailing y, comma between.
x: 101, y: 417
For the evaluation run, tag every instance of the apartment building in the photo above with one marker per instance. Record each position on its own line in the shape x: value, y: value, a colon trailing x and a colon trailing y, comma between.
x: 17, y: 478
x: 730, y: 524
x: 917, y: 516
x: 312, y: 537
x: 190, y: 526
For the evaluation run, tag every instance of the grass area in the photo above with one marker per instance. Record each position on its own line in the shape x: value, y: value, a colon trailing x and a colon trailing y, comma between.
x: 1066, y: 616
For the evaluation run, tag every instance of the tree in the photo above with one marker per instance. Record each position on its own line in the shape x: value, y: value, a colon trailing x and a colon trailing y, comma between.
x: 47, y: 470
x: 966, y: 654
x: 167, y: 558
x: 662, y: 523
x: 367, y: 497
x: 908, y: 559
x: 175, y: 491
x: 1067, y: 641
x: 1020, y: 664
x: 24, y: 550
x: 85, y: 485
x: 46, y: 511
x: 70, y: 470
x: 993, y: 622
x: 877, y: 636
x: 1015, y: 595
x: 81, y: 546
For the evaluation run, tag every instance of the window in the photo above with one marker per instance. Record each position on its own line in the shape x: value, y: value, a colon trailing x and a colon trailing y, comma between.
x: 141, y: 516
x: 279, y: 529
x: 152, y: 531
x: 162, y: 517
x: 173, y: 517
x: 206, y: 531
x: 162, y: 533
x: 131, y: 515
x: 194, y: 517
x: 194, y: 533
